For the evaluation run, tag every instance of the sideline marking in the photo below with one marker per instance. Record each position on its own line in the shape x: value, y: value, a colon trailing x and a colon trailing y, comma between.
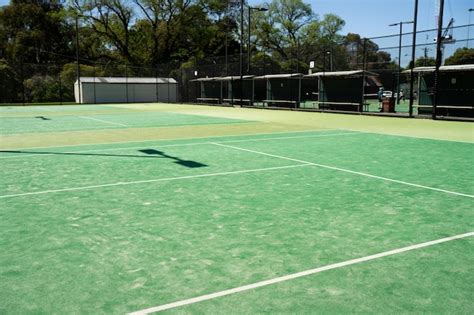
x: 298, y: 275
x: 180, y: 144
x: 151, y: 181
x: 347, y: 171
x: 179, y: 139
x: 104, y: 121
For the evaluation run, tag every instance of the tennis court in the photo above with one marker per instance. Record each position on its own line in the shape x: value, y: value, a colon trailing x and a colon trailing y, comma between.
x: 197, y: 209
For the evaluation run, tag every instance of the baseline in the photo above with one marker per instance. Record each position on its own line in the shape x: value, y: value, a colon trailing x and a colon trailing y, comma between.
x: 299, y: 274
x: 103, y: 121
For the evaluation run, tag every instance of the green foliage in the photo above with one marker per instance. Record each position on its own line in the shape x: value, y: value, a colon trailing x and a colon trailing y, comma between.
x: 461, y: 56
x: 42, y: 88
x: 27, y: 28
x: 425, y: 62
x: 68, y: 76
x: 8, y: 83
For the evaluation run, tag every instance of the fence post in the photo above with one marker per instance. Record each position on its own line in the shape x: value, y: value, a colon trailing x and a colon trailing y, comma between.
x: 95, y: 93
x: 22, y: 82
x: 126, y: 80
x: 156, y: 84
x: 364, y: 68
x: 60, y: 86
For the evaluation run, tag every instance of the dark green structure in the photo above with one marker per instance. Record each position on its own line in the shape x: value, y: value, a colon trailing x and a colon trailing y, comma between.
x: 210, y: 90
x: 456, y: 91
x: 236, y: 91
x: 281, y: 90
x: 342, y: 90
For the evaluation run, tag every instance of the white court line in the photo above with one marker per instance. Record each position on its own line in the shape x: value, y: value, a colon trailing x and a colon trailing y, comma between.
x: 180, y: 139
x: 347, y: 171
x: 299, y: 275
x: 408, y: 136
x: 151, y: 181
x: 48, y: 109
x: 104, y: 121
x: 181, y: 144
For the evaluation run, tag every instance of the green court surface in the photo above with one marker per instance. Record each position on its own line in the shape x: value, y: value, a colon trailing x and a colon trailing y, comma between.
x: 124, y: 226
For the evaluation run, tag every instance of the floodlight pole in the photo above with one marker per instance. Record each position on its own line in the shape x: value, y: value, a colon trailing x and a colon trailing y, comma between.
x: 399, y: 56
x: 249, y: 47
x: 469, y: 26
x: 413, y: 56
x: 439, y: 53
x: 329, y: 53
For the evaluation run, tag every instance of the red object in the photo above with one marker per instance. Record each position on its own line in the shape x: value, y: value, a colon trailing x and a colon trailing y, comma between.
x: 388, y: 105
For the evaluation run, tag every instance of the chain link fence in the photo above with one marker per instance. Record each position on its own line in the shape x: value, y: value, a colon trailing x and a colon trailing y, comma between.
x: 322, y: 85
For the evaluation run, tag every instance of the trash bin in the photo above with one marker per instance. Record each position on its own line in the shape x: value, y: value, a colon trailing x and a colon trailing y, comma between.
x: 388, y: 105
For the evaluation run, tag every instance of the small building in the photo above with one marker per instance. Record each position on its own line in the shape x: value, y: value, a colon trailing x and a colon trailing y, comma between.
x: 93, y: 90
x: 342, y: 90
x: 281, y: 90
x: 456, y: 90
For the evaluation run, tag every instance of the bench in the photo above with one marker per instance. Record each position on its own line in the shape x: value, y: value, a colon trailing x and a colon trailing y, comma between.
x: 236, y: 100
x: 208, y: 99
x: 280, y: 102
x: 334, y: 105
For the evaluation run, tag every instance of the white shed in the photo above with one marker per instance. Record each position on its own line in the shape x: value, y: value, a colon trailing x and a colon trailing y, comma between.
x: 125, y: 90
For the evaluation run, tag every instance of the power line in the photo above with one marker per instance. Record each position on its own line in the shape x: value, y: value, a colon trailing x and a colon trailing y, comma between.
x: 419, y: 32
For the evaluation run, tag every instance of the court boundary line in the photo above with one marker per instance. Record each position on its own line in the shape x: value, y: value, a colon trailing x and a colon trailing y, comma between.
x: 155, y: 180
x: 347, y: 171
x: 128, y: 126
x: 179, y: 139
x: 300, y: 274
x: 103, y: 121
x: 407, y: 136
x: 184, y: 144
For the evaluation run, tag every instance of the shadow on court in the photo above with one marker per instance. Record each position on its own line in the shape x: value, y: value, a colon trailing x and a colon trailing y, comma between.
x: 149, y: 153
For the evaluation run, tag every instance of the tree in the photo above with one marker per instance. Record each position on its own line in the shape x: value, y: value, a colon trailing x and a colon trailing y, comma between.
x: 280, y: 29
x: 425, y: 62
x: 323, y: 43
x: 34, y: 31
x: 8, y: 83
x: 375, y: 59
x: 461, y: 56
x: 112, y: 20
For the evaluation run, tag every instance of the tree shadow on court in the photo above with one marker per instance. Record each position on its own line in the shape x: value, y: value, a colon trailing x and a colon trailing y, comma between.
x: 150, y: 154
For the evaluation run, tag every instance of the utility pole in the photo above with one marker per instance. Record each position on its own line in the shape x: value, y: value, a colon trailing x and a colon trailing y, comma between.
x: 439, y: 53
x: 413, y: 57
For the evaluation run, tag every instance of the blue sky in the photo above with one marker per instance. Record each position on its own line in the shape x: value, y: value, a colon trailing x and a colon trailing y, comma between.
x: 371, y: 17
